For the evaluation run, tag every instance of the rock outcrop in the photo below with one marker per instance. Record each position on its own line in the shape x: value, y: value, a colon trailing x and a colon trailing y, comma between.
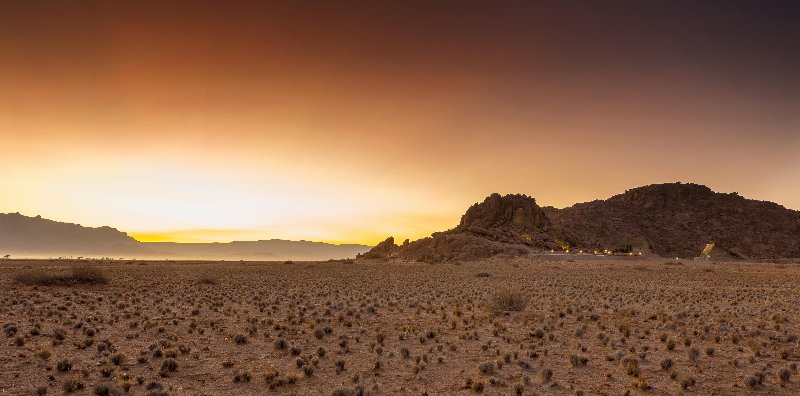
x: 510, y: 224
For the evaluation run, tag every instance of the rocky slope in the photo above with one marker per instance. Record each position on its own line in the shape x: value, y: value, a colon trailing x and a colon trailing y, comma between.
x: 679, y: 219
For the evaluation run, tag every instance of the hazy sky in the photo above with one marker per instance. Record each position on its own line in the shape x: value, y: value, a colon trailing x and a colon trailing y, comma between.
x: 350, y: 121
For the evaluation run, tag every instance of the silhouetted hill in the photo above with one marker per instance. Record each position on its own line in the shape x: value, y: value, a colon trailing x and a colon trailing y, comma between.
x: 679, y: 219
x: 23, y: 236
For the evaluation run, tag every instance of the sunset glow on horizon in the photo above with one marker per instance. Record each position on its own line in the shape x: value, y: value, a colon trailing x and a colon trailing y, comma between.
x: 347, y: 122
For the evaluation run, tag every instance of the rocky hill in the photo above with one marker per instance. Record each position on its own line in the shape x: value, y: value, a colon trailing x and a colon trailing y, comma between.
x: 679, y: 219
x: 673, y: 220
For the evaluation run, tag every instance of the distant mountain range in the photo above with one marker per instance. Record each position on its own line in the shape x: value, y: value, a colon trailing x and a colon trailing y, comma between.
x: 23, y: 236
x: 670, y: 220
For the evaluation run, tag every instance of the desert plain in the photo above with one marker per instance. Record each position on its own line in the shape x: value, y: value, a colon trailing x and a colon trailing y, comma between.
x: 505, y: 325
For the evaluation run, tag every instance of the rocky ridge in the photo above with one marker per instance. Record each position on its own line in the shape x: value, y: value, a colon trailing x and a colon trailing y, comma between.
x: 677, y: 219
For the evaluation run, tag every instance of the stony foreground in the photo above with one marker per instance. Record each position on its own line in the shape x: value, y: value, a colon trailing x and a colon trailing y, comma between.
x: 501, y: 326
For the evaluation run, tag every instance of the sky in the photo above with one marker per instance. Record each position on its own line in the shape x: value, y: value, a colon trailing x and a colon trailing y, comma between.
x: 347, y: 122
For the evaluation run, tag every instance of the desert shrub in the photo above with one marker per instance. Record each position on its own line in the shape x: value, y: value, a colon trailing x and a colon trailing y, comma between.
x: 483, y: 275
x: 577, y: 361
x: 87, y: 274
x: 508, y: 300
x: 59, y: 333
x: 10, y: 329
x: 478, y: 386
x: 632, y: 367
x: 72, y: 385
x: 785, y: 375
x: 486, y: 367
x: 694, y: 353
x: 156, y: 389
x: 666, y: 364
x: 240, y: 339
x: 755, y: 380
x: 339, y: 366
x: 43, y: 354
x: 670, y: 345
x: 642, y: 384
x: 242, y: 376
x: 41, y: 390
x: 106, y: 389
x: 169, y: 366
x: 64, y: 365
x: 82, y: 274
x: 33, y: 277
x: 547, y: 375
x: 154, y: 386
x: 117, y: 359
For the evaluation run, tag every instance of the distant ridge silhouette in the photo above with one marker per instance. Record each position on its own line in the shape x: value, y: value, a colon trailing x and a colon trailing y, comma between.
x: 23, y: 236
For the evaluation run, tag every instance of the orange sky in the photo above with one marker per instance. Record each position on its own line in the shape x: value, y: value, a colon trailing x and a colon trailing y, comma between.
x: 348, y: 121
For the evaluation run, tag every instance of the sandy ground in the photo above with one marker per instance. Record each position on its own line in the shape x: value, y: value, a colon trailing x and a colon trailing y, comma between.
x: 591, y: 327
